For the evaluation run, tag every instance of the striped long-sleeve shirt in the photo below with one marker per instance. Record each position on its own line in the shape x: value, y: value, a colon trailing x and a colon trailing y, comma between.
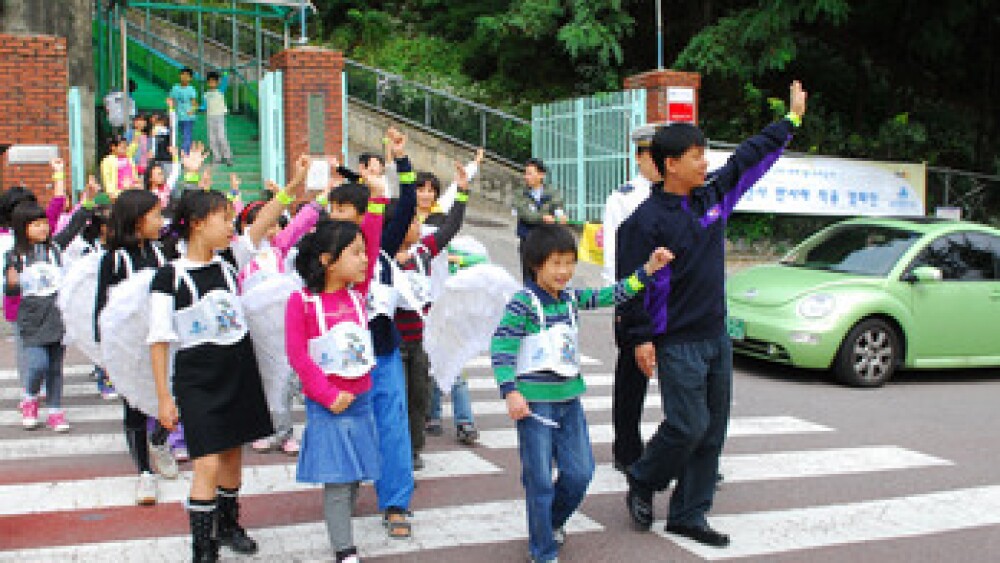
x: 521, y: 320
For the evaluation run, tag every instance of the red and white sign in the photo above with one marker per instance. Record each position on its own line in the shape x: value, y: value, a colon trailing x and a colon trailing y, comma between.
x: 680, y: 105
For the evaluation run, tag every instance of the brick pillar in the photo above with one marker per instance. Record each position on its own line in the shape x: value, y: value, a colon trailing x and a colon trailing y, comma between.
x: 658, y: 85
x: 311, y: 79
x: 34, y: 110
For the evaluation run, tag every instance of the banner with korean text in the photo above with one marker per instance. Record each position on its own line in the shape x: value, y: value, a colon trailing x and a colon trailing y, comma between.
x: 806, y: 185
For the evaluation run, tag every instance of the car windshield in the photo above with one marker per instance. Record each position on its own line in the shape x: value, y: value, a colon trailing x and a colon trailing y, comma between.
x: 860, y: 249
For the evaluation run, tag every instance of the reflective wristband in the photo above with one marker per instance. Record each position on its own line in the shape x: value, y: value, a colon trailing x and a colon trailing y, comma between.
x: 88, y: 204
x: 407, y: 177
x: 283, y: 197
x: 795, y: 118
x: 462, y: 196
x: 376, y: 208
x: 59, y: 176
x: 634, y: 283
x: 323, y: 199
x: 192, y: 177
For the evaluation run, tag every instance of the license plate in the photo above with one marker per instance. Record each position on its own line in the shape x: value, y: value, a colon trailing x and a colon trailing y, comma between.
x: 736, y: 328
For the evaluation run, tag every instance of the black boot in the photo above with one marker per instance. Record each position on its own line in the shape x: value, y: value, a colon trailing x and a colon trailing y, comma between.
x: 205, y: 545
x: 231, y: 534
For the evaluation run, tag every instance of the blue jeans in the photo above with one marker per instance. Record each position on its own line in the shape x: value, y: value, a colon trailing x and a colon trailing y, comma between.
x: 45, y: 363
x: 696, y: 389
x: 551, y: 504
x: 19, y: 357
x: 186, y: 130
x: 395, y: 486
x: 461, y: 402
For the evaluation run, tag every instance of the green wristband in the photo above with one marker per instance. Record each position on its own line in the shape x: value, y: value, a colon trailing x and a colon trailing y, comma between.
x: 462, y: 196
x: 407, y: 177
x: 192, y: 177
x: 323, y: 200
x: 376, y: 208
x: 88, y: 204
x: 795, y: 118
x: 59, y: 176
x: 283, y: 197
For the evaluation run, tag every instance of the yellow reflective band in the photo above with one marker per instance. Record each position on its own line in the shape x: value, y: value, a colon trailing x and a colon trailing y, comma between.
x: 407, y: 177
x: 462, y: 197
x: 376, y: 208
x: 323, y: 200
x: 795, y: 118
x: 283, y: 197
x: 633, y: 283
x: 192, y: 177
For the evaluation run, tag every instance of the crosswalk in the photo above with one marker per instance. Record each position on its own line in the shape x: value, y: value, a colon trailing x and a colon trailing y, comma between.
x: 466, y: 497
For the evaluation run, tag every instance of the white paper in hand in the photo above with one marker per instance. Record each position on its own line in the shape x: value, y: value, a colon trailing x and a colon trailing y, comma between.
x: 319, y: 174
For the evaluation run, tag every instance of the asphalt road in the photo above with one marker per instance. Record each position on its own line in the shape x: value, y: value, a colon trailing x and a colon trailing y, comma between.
x: 814, y: 472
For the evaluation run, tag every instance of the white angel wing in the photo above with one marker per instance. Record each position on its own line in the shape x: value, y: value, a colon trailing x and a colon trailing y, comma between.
x: 461, y: 323
x: 76, y: 300
x: 264, y: 299
x: 124, y: 324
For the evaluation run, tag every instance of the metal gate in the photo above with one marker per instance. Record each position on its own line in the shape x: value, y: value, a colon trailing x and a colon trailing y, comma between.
x: 586, y: 148
x: 272, y: 128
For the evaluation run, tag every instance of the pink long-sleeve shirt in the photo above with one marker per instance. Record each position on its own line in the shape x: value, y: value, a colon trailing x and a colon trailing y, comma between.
x: 11, y: 304
x: 283, y: 242
x: 301, y: 325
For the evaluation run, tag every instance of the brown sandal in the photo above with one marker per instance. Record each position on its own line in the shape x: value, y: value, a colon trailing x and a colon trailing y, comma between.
x: 397, y: 525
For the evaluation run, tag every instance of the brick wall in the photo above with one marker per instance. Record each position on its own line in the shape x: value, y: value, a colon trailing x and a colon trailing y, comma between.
x: 656, y: 82
x: 307, y: 71
x: 33, y: 106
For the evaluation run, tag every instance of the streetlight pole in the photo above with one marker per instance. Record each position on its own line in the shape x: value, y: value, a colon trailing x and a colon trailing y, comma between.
x: 659, y: 34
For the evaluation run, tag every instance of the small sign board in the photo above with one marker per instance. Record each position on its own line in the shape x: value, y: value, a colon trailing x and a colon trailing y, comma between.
x: 680, y: 105
x: 953, y: 213
x: 318, y: 177
x: 31, y: 154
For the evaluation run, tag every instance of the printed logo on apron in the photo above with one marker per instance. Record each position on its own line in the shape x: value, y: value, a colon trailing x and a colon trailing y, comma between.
x: 42, y: 277
x: 553, y: 349
x: 346, y: 350
x: 213, y: 318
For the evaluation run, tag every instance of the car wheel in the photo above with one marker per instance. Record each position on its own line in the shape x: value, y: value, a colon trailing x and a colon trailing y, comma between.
x: 868, y: 355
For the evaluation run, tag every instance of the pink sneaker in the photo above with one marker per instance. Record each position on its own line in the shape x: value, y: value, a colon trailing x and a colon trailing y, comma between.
x: 57, y: 422
x: 291, y: 446
x: 29, y: 413
x: 262, y: 446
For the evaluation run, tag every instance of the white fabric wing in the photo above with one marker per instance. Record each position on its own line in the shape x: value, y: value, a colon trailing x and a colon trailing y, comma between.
x: 76, y: 300
x: 124, y: 324
x: 469, y: 245
x: 264, y: 299
x: 461, y: 323
x: 439, y: 274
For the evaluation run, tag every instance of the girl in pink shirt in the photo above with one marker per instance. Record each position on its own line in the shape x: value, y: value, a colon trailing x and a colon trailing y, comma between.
x: 330, y: 348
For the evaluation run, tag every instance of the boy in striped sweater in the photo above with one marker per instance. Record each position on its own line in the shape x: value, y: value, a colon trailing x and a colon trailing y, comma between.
x: 536, y: 362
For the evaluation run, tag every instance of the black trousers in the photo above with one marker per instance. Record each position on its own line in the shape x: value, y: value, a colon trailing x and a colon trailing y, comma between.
x: 626, y: 407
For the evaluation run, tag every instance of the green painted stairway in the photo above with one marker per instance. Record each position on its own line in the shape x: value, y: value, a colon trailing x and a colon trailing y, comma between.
x: 243, y: 132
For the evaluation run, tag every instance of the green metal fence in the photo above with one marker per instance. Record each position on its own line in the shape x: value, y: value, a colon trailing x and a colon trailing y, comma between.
x: 77, y: 168
x: 585, y: 145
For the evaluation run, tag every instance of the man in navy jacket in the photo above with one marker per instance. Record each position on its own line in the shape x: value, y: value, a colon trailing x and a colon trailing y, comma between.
x: 678, y: 324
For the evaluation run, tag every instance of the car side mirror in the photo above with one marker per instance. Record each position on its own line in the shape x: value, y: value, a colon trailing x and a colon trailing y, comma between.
x: 926, y: 274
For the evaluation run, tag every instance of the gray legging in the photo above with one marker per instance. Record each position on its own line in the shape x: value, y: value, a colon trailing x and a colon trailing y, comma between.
x: 338, y: 507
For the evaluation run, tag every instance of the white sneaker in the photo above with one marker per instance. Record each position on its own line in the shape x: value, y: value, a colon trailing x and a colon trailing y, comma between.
x: 145, y: 492
x: 163, y: 461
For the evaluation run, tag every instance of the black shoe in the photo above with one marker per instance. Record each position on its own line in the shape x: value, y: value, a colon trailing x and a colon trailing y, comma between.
x: 230, y: 533
x: 433, y: 427
x: 205, y: 548
x: 349, y: 554
x: 418, y: 462
x: 640, y: 504
x: 466, y: 434
x: 704, y: 535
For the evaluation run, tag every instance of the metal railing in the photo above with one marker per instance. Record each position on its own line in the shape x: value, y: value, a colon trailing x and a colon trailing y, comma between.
x: 505, y: 136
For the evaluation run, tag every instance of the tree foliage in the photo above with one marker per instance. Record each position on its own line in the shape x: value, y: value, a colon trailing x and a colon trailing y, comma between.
x: 900, y: 79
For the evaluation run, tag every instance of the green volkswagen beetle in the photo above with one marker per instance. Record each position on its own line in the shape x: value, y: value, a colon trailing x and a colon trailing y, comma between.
x: 865, y: 297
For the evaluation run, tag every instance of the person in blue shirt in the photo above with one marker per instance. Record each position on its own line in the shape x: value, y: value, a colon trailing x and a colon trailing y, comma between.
x: 183, y: 97
x: 677, y: 327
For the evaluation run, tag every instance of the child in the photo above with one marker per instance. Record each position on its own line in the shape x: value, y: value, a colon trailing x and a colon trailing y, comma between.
x: 118, y: 173
x: 182, y: 97
x: 160, y: 132
x: 331, y: 350
x: 215, y: 112
x: 32, y: 270
x: 195, y: 309
x: 140, y: 144
x: 158, y: 182
x: 8, y: 201
x: 395, y: 485
x: 536, y: 361
x: 414, y: 258
x: 135, y: 225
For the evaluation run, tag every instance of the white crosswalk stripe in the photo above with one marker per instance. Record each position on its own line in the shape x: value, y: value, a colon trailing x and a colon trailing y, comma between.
x: 754, y: 534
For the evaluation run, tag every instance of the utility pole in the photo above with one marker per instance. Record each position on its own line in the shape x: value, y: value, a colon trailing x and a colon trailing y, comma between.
x: 659, y: 34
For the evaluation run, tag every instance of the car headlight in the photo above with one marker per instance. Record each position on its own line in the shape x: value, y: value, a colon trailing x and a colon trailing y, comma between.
x: 816, y: 306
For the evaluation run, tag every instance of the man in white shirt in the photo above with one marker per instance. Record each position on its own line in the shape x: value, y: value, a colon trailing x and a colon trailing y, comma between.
x: 630, y: 383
